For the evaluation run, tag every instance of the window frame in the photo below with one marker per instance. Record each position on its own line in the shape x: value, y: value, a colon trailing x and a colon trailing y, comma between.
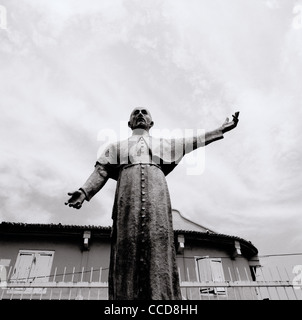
x: 32, y: 271
x: 219, y: 277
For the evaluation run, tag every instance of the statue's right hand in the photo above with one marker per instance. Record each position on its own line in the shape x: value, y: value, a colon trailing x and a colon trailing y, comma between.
x: 76, y: 199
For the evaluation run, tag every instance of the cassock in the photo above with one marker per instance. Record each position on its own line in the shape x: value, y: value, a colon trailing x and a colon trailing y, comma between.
x: 143, y: 257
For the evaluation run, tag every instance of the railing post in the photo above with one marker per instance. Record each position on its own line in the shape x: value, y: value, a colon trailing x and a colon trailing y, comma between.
x: 288, y: 277
x: 231, y: 278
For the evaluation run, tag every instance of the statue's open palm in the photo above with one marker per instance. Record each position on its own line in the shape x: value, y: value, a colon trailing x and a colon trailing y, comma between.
x: 229, y: 125
x: 76, y: 199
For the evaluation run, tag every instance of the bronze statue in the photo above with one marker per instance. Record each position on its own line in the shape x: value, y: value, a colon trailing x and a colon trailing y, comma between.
x: 143, y: 259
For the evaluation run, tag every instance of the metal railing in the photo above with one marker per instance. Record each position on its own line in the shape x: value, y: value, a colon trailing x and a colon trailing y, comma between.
x: 88, y: 285
x: 241, y: 290
x: 209, y: 290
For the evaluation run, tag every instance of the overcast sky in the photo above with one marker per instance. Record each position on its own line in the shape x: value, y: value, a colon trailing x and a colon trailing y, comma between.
x: 71, y: 69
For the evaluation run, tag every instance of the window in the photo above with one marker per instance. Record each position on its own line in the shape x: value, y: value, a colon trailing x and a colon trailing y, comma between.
x: 32, y: 266
x: 210, y: 269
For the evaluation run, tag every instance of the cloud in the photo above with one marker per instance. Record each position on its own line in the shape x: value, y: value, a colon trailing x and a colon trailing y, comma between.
x: 71, y: 69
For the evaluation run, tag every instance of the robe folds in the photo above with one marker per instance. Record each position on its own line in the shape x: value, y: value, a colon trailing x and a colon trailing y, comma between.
x: 143, y: 257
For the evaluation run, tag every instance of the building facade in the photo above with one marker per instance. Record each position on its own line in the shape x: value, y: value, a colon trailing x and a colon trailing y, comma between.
x: 54, y: 261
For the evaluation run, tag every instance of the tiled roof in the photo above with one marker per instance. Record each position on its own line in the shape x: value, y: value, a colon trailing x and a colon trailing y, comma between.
x: 53, y: 225
x: 181, y: 225
x: 51, y: 228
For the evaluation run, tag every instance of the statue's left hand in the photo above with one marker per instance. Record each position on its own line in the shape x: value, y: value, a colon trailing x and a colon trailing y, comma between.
x: 76, y: 199
x: 227, y: 125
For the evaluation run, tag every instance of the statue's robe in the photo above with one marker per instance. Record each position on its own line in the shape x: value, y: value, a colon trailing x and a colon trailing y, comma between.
x: 143, y: 256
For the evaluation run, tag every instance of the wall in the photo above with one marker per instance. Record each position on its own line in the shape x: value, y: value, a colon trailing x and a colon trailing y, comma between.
x: 70, y: 263
x: 234, y: 270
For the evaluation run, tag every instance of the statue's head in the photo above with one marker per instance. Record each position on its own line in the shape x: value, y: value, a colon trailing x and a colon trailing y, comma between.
x: 140, y: 118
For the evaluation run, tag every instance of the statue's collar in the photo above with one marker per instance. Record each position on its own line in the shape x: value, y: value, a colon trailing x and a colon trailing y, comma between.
x: 138, y: 133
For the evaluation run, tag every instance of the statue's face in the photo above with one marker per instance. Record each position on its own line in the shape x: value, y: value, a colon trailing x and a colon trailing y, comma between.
x: 140, y: 118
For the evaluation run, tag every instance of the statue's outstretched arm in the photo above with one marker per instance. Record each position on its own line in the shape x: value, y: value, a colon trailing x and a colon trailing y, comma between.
x: 94, y: 183
x: 208, y: 137
x: 227, y: 125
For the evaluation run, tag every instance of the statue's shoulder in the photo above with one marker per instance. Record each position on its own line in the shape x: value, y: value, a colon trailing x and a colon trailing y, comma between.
x: 107, y: 148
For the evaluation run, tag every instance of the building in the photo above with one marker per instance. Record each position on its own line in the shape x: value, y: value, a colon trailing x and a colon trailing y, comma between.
x: 55, y: 261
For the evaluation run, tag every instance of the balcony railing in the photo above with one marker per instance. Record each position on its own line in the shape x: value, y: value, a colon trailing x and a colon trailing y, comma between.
x: 89, y: 285
x: 209, y: 290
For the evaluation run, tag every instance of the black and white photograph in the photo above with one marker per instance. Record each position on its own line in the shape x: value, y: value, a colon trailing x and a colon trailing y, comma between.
x: 150, y: 151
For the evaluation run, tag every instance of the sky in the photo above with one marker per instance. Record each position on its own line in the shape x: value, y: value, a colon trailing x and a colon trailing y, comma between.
x: 72, y: 69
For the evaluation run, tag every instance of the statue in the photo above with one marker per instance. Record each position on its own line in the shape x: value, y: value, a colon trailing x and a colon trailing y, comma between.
x: 143, y: 258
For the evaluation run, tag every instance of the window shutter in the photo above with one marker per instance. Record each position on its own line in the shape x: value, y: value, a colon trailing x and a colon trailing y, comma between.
x: 32, y: 266
x: 210, y: 269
